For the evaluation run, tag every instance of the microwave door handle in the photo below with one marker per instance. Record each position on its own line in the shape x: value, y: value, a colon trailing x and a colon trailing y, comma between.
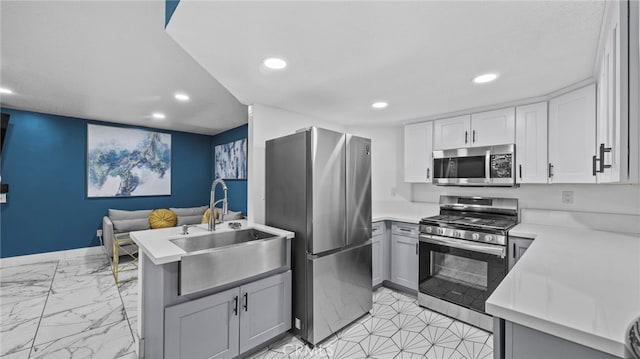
x: 487, y: 166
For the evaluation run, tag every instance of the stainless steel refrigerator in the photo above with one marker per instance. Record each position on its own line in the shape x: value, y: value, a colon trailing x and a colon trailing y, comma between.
x: 318, y: 185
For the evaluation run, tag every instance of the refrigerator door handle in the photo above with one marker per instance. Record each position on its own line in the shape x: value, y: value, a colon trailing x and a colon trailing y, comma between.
x: 328, y: 253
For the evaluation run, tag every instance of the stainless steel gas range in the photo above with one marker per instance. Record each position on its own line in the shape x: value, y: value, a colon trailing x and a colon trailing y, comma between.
x: 463, y: 255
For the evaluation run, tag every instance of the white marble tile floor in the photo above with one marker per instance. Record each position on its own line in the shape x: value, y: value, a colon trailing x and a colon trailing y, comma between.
x: 74, y: 309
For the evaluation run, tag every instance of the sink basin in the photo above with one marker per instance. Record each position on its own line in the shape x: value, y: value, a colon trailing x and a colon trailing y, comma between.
x: 221, y: 258
x: 221, y: 239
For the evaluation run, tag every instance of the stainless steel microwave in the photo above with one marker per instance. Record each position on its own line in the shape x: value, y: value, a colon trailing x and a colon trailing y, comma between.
x: 475, y: 166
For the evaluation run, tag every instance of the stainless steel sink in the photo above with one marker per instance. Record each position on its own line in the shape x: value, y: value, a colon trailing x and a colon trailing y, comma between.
x: 216, y: 259
x: 222, y: 239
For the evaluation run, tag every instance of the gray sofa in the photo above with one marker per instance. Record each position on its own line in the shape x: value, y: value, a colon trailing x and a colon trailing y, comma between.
x: 122, y: 222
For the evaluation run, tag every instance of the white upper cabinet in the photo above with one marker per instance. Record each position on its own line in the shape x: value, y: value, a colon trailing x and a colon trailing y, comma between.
x: 531, y: 143
x: 572, y: 136
x: 479, y: 129
x: 451, y: 132
x: 493, y: 127
x: 418, y: 149
x: 612, y: 127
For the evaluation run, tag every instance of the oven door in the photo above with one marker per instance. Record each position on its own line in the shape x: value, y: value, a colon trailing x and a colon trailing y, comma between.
x: 460, y: 271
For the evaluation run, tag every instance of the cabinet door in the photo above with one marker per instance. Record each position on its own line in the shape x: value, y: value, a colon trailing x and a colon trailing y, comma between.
x: 418, y: 152
x: 452, y: 132
x: 493, y: 127
x: 376, y: 260
x: 610, y: 126
x: 404, y: 261
x: 265, y: 310
x: 531, y: 143
x: 517, y: 247
x: 377, y: 253
x: 203, y: 328
x: 572, y: 136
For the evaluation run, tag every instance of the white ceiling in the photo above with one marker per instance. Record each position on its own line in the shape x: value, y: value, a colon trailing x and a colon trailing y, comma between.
x: 107, y: 60
x: 420, y: 56
x: 113, y: 60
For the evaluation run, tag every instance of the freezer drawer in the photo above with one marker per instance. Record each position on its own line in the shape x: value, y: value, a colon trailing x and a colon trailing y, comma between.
x: 339, y: 290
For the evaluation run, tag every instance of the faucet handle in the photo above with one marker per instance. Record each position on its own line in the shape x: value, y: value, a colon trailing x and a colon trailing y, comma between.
x: 185, y: 229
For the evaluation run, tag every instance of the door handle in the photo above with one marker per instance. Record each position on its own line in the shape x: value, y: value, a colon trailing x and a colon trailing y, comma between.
x: 550, y: 170
x: 417, y: 245
x: 246, y: 302
x: 473, y: 136
x: 466, y: 136
x: 520, y: 169
x: 235, y: 305
x: 603, y: 150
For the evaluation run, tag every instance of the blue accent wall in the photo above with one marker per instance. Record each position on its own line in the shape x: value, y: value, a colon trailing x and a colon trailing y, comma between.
x: 44, y: 163
x: 169, y: 8
x: 236, y: 189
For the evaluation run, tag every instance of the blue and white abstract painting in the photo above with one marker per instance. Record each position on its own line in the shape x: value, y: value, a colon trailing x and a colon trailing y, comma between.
x: 126, y: 162
x: 231, y: 160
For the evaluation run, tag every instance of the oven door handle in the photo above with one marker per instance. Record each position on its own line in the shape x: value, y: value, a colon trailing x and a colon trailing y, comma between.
x: 499, y: 251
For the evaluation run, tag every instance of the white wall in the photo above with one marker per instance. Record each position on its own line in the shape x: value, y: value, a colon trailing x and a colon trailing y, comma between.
x: 387, y: 162
x: 266, y: 123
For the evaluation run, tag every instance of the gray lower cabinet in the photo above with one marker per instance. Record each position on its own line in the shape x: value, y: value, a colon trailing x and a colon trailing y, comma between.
x: 404, y: 255
x: 525, y: 343
x: 377, y: 253
x: 517, y: 247
x: 229, y: 323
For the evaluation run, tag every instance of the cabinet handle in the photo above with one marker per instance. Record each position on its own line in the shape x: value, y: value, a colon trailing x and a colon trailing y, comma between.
x: 246, y: 301
x: 550, y: 170
x: 603, y: 150
x: 514, y: 251
x: 466, y: 136
x: 428, y: 173
x: 417, y: 244
x: 235, y: 305
x: 473, y: 136
x: 594, y: 160
x: 520, y: 169
x: 404, y: 229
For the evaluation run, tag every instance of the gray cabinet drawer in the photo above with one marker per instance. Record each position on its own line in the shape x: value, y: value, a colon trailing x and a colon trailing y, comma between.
x: 404, y: 229
x: 377, y: 229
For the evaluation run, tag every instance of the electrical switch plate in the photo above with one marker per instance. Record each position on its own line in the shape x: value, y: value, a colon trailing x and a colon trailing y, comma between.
x: 567, y: 197
x: 3, y: 198
x: 99, y: 233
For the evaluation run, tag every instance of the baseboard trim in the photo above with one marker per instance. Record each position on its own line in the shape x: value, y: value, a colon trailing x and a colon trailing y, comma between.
x: 43, y: 257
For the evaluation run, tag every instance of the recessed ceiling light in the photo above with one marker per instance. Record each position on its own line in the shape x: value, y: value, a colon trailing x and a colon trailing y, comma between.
x: 379, y: 105
x: 181, y: 97
x: 485, y: 78
x: 274, y: 63
x: 5, y: 90
x: 158, y: 116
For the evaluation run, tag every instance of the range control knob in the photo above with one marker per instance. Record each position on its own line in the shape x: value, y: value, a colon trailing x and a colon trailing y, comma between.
x: 488, y: 238
x: 429, y: 229
x: 440, y: 231
x: 457, y: 234
x: 475, y: 236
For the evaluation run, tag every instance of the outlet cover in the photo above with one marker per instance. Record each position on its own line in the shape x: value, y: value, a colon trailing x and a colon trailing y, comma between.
x: 99, y: 233
x: 567, y: 197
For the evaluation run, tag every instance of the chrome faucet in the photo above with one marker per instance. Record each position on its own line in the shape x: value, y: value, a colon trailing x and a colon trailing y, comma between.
x: 213, y: 202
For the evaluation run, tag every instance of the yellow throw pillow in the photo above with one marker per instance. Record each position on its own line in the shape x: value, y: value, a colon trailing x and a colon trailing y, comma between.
x: 207, y: 213
x: 162, y: 218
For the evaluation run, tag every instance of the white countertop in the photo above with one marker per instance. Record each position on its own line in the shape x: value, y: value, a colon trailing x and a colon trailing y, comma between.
x: 577, y: 284
x: 156, y: 243
x: 408, y: 212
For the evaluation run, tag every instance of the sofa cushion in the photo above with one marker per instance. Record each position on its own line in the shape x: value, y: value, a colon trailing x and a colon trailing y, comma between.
x: 189, y: 215
x: 130, y: 225
x: 182, y: 220
x: 118, y: 214
x: 162, y: 218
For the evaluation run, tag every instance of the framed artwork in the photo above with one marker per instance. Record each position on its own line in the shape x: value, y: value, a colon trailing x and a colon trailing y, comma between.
x: 127, y: 162
x: 231, y: 160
